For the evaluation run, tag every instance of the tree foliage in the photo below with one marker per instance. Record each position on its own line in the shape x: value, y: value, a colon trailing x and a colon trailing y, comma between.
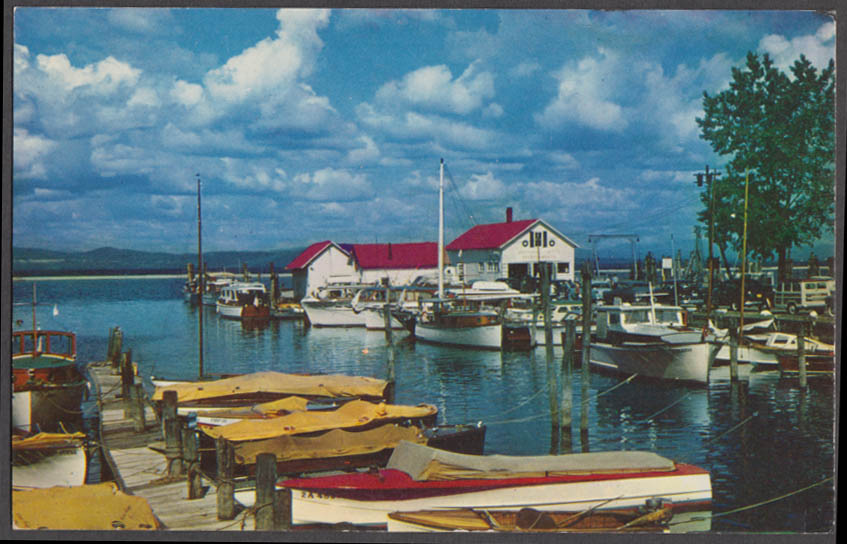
x: 779, y: 130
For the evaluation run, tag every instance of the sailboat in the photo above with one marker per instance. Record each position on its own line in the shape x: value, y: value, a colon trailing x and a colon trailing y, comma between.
x: 456, y: 320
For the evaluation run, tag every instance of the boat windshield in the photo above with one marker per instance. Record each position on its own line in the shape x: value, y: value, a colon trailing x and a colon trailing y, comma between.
x: 636, y: 316
x: 667, y: 316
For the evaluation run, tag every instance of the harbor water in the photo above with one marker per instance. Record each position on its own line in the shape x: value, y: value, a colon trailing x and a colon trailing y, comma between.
x: 768, y: 445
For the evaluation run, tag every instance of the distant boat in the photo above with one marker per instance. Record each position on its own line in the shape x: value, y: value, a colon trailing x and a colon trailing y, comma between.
x: 47, y: 386
x: 242, y: 300
x: 418, y: 477
x: 652, y: 341
x: 48, y: 459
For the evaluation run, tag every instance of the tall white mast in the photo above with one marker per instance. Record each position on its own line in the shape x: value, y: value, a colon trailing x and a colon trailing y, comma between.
x: 441, y: 231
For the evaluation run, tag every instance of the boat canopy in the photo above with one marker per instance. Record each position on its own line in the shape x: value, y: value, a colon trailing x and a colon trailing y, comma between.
x: 356, y: 413
x: 266, y: 409
x: 333, y: 443
x: 269, y: 382
x: 70, y: 508
x: 425, y: 463
x: 46, y: 441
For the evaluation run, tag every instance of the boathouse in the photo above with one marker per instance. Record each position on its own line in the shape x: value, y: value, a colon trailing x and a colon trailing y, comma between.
x: 400, y: 264
x: 512, y: 249
x: 319, y: 264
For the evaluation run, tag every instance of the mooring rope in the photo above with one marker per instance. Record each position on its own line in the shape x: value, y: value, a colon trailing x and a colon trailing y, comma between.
x: 755, y: 505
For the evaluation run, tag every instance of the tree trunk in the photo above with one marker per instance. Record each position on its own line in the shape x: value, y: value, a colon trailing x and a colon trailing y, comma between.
x: 782, y: 266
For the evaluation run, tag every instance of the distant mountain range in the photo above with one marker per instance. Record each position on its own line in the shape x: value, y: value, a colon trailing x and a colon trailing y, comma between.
x: 109, y: 260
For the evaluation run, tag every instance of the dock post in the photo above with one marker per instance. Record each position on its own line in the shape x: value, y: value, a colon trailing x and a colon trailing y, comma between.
x: 282, y: 509
x: 192, y: 459
x: 801, y: 354
x: 127, y: 380
x: 226, y: 484
x: 115, y: 348
x: 137, y: 400
x: 555, y: 430
x: 565, y: 416
x: 733, y: 354
x: 586, y: 353
x: 265, y: 486
x: 386, y: 314
x: 389, y: 390
x: 173, y: 436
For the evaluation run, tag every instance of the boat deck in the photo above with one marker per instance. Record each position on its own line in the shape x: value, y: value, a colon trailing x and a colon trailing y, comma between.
x: 141, y: 471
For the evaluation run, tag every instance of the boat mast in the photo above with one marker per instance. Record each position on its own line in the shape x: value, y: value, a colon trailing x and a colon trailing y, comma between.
x: 34, y: 324
x: 441, y: 231
x: 200, y: 287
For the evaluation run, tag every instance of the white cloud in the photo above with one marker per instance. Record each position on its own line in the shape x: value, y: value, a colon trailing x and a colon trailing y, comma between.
x: 187, y: 94
x: 332, y: 184
x: 524, y: 69
x: 584, y: 95
x: 141, y: 20
x: 30, y: 152
x: 433, y: 87
x: 252, y: 175
x: 367, y: 154
x: 103, y: 77
x: 483, y: 187
x: 819, y: 48
x: 563, y: 160
x: 144, y: 97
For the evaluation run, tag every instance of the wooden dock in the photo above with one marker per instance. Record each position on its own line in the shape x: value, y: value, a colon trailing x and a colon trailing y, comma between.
x: 142, y: 471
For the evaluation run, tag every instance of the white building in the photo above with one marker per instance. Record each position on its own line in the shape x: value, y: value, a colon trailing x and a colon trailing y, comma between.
x: 319, y: 264
x: 512, y: 249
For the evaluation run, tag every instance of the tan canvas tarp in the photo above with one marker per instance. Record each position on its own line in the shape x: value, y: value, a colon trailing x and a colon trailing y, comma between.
x: 356, y: 413
x: 266, y: 409
x: 46, y: 440
x: 269, y: 382
x: 97, y: 507
x: 426, y: 463
x: 334, y: 443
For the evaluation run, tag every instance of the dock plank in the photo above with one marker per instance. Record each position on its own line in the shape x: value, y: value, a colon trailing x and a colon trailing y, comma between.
x: 143, y: 472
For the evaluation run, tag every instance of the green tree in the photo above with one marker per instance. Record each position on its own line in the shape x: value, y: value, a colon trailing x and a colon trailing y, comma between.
x: 781, y: 131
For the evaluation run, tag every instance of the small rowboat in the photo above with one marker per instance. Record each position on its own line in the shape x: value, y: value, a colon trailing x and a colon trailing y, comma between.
x: 530, y: 520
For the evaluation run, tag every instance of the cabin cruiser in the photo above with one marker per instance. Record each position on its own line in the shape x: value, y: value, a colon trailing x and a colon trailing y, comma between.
x: 331, y: 305
x: 242, y: 300
x: 651, y: 341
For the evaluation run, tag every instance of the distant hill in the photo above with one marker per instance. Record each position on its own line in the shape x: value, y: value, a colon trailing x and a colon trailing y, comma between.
x: 109, y: 260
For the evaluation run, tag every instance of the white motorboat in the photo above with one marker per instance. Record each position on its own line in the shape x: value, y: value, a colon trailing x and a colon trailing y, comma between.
x: 331, y: 306
x: 651, y: 341
x: 418, y: 477
x: 243, y: 300
x: 48, y: 459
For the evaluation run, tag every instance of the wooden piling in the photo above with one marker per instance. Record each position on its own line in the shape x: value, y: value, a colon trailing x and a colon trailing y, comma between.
x: 127, y: 379
x: 265, y: 489
x: 191, y: 455
x: 555, y: 431
x: 173, y: 434
x: 733, y: 355
x: 282, y: 509
x: 226, y: 485
x: 566, y: 407
x: 801, y: 354
x: 117, y: 345
x: 138, y: 417
x: 586, y: 352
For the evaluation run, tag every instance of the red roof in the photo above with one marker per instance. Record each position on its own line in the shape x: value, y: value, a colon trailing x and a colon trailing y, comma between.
x: 302, y: 260
x: 491, y: 236
x: 413, y: 255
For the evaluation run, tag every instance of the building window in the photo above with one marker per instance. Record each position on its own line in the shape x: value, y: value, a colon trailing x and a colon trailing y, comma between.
x: 493, y: 266
x: 563, y: 268
x: 481, y: 267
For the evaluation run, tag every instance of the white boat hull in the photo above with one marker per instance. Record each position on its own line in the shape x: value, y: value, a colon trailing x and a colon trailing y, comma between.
x: 65, y: 467
x: 310, y: 507
x: 43, y: 410
x: 375, y: 320
x: 540, y: 336
x: 322, y: 314
x: 677, y: 362
x: 484, y: 336
x: 749, y: 355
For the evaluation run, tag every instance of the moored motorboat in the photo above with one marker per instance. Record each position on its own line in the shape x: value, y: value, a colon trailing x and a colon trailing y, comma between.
x: 331, y: 306
x: 420, y: 478
x: 243, y: 300
x: 48, y: 459
x: 47, y: 385
x: 651, y: 341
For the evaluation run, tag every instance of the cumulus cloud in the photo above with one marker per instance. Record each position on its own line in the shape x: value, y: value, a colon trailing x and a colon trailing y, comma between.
x: 102, y: 77
x: 584, y: 95
x: 332, y: 184
x: 817, y: 47
x: 434, y: 88
x: 483, y: 187
x: 30, y: 152
x: 141, y: 20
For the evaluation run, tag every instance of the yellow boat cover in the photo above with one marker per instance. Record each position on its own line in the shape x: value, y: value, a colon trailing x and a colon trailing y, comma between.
x: 70, y: 508
x: 355, y: 413
x: 45, y: 440
x: 273, y: 408
x: 334, y: 443
x: 321, y: 385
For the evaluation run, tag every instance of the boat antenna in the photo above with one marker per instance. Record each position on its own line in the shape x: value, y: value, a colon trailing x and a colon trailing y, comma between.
x: 441, y: 231
x: 200, y: 287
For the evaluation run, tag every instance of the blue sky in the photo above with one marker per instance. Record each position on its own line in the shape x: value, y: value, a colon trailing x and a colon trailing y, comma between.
x: 307, y: 125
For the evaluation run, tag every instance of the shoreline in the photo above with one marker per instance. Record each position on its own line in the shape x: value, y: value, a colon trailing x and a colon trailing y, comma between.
x: 100, y: 277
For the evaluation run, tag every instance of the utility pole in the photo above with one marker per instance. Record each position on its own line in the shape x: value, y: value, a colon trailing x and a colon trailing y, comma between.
x: 709, y: 177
